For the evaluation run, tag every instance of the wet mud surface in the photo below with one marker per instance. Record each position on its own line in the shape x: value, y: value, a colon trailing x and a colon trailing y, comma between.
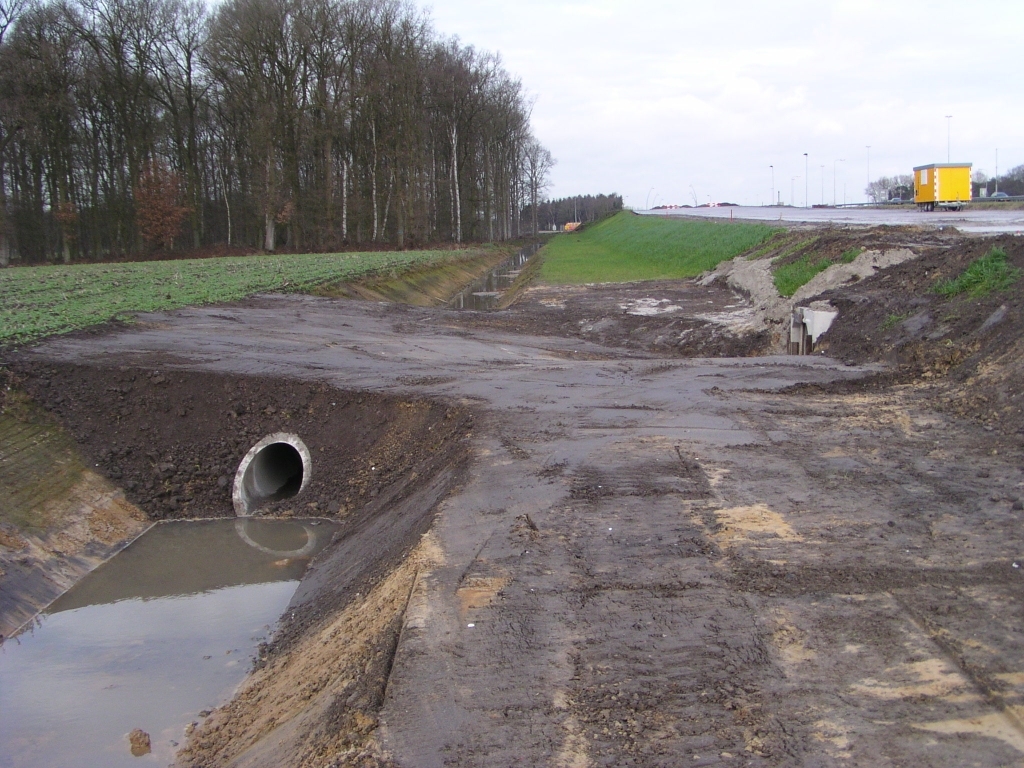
x: 648, y: 560
x: 670, y: 318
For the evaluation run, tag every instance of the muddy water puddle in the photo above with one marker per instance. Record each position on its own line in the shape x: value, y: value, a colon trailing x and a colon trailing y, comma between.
x: 485, y: 292
x: 164, y: 630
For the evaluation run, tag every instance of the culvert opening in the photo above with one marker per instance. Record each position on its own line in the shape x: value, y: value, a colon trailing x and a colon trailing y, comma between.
x: 276, y: 468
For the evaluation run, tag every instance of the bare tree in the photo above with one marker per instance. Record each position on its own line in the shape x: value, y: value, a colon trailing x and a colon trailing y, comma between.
x: 539, y: 163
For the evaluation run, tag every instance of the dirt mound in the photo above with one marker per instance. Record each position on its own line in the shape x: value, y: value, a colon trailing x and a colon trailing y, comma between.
x: 833, y: 243
x: 975, y: 344
x: 174, y: 441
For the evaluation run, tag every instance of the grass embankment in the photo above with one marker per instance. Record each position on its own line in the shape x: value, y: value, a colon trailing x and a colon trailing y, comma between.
x: 626, y: 248
x: 41, y: 301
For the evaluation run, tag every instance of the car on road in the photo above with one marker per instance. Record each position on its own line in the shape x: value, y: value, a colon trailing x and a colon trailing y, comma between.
x: 1000, y: 194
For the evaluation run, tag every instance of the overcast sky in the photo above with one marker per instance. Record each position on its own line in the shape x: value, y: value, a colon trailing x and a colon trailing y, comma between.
x: 699, y: 99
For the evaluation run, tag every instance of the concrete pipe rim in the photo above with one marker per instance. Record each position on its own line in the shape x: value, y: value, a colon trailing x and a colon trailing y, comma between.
x: 268, y: 472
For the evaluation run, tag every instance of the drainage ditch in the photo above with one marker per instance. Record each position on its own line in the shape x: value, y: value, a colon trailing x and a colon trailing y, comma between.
x: 486, y: 291
x: 185, y: 445
x: 159, y: 634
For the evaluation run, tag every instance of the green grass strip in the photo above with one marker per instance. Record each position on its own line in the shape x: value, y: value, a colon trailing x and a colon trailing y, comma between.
x: 627, y: 248
x: 41, y: 301
x: 989, y: 273
x: 851, y: 254
x: 789, y: 277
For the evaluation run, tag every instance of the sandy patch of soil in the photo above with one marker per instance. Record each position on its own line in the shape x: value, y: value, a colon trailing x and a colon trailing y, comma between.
x: 318, y: 704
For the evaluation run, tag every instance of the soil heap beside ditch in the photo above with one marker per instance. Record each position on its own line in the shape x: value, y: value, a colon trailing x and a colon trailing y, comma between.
x: 969, y: 348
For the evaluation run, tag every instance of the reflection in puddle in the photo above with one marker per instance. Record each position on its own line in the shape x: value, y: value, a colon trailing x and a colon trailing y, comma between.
x: 165, y: 629
x: 485, y: 292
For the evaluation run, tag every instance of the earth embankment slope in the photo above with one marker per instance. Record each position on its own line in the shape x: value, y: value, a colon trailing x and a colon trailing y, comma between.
x: 967, y: 349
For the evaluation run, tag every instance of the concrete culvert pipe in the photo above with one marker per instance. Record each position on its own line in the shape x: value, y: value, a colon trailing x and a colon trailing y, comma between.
x: 277, y: 467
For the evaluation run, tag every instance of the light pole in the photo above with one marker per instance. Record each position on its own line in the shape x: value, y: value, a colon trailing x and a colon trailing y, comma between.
x: 773, y: 178
x: 949, y: 123
x: 869, y: 168
x: 997, y: 169
x: 807, y: 176
x: 834, y: 178
x: 647, y: 202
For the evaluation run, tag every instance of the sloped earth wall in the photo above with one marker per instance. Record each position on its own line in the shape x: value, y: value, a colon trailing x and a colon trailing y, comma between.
x: 967, y: 350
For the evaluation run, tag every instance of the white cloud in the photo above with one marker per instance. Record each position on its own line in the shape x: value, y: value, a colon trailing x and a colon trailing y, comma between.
x: 674, y: 94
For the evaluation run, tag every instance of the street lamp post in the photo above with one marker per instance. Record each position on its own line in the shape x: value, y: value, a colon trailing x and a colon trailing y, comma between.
x: 647, y: 202
x: 773, y: 180
x: 949, y: 123
x: 869, y: 167
x: 834, y: 178
x: 807, y: 179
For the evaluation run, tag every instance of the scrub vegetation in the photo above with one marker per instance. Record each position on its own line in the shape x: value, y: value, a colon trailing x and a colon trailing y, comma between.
x: 796, y: 272
x: 989, y: 273
x: 46, y: 300
x: 626, y: 247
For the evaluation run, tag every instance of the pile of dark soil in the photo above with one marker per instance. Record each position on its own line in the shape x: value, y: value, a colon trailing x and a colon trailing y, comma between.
x: 174, y: 440
x: 972, y: 344
x: 834, y: 243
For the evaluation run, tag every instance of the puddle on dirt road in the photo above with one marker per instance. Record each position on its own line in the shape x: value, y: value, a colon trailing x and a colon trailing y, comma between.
x: 165, y: 629
x: 485, y: 292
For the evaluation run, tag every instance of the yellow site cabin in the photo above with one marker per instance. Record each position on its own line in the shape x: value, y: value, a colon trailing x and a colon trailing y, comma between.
x: 942, y: 185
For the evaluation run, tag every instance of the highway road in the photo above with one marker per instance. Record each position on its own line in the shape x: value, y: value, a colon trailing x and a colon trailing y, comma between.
x: 974, y: 221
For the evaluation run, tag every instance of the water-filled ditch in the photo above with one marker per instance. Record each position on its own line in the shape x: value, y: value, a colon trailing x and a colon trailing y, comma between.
x: 485, y: 292
x: 149, y: 640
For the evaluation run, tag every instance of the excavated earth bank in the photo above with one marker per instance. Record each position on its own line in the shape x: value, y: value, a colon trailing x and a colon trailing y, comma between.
x: 634, y: 557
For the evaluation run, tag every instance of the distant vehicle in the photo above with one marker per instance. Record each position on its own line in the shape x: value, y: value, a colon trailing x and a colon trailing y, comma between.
x: 1000, y: 194
x: 942, y: 185
x: 896, y: 201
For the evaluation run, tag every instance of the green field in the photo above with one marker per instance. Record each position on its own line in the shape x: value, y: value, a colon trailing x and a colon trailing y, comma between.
x: 627, y: 247
x: 46, y: 300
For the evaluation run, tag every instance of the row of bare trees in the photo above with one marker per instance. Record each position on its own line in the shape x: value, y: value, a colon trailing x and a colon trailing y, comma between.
x: 555, y: 214
x: 306, y: 124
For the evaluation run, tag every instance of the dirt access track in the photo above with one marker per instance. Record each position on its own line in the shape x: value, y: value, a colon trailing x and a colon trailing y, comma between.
x: 639, y: 558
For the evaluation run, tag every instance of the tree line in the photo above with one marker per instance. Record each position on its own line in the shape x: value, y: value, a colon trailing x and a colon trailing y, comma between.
x: 886, y: 188
x: 555, y: 214
x: 131, y: 125
x: 1011, y: 182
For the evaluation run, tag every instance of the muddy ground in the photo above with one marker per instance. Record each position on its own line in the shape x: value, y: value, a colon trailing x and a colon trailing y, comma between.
x: 623, y: 551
